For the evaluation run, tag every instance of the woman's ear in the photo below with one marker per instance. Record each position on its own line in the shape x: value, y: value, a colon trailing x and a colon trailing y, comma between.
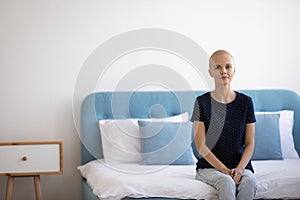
x: 210, y: 73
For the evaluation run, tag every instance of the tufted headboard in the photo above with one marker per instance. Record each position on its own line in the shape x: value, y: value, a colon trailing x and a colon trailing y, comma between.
x: 118, y: 105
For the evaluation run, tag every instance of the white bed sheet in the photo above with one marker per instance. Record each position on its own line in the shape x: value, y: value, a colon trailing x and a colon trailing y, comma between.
x: 276, y: 179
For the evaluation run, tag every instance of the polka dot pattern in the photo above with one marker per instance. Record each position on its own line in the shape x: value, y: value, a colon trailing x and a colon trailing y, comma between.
x: 225, y: 126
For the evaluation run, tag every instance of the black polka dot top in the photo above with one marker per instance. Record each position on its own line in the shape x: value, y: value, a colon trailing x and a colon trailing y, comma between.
x: 225, y: 126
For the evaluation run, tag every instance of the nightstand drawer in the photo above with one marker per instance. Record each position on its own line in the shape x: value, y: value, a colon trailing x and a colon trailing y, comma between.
x: 31, y: 158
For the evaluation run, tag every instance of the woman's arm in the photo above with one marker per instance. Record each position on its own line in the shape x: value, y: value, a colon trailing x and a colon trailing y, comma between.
x: 248, y: 151
x: 204, y: 151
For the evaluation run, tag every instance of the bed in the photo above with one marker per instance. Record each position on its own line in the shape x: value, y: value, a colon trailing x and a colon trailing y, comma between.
x: 133, y: 165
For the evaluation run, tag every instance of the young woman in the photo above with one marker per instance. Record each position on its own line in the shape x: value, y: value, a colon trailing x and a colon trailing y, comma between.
x: 224, y: 133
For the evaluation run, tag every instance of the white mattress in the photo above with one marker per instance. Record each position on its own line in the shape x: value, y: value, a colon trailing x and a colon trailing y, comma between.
x: 276, y: 179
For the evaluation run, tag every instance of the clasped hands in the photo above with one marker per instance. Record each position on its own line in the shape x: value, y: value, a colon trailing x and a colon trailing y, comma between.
x: 235, y: 173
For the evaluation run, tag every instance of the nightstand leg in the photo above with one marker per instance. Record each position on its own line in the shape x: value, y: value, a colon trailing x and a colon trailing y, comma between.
x: 10, y: 186
x: 38, y: 189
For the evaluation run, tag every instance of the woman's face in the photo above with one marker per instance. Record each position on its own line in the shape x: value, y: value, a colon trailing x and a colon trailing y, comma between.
x: 222, y: 68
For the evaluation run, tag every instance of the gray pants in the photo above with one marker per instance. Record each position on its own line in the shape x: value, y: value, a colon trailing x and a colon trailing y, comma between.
x: 225, y: 185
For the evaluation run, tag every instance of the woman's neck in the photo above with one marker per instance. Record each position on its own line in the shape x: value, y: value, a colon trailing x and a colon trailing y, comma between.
x: 223, y: 95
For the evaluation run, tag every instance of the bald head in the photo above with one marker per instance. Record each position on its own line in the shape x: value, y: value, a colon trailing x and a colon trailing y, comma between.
x: 218, y: 53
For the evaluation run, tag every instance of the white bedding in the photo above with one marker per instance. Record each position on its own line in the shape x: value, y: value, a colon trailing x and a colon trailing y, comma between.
x: 276, y: 179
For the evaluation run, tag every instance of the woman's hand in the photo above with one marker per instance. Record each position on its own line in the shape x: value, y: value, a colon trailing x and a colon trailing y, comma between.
x: 237, y: 174
x: 226, y: 171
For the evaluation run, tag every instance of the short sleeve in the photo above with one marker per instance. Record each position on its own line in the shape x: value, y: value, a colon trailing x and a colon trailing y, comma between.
x: 250, y: 112
x: 196, y: 111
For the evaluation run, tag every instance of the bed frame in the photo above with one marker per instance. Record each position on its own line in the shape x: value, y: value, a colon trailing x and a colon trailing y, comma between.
x: 119, y: 105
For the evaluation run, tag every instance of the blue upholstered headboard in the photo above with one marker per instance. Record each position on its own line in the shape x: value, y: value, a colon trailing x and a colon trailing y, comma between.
x: 118, y: 105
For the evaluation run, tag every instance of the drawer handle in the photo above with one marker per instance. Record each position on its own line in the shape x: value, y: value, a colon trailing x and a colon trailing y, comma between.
x: 24, y: 158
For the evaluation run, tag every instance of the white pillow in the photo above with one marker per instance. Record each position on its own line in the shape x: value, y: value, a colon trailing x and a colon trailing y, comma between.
x: 121, y: 138
x: 286, y: 122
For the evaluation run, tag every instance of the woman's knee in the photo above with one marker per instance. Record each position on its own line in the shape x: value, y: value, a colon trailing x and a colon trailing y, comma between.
x: 248, y: 181
x: 246, y: 189
x: 225, y: 182
x: 226, y: 188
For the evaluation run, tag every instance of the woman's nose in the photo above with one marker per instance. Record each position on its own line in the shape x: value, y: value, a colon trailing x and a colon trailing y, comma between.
x: 223, y: 70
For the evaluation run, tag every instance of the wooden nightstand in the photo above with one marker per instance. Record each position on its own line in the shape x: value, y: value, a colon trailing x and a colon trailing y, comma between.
x: 20, y: 159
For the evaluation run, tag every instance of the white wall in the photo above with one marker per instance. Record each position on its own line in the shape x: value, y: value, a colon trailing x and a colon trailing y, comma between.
x: 43, y: 45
